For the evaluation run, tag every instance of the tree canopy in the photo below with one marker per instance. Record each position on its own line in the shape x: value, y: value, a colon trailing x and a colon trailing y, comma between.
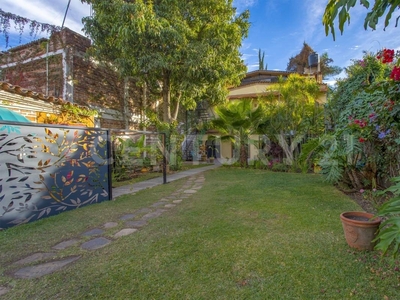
x: 299, y: 63
x: 340, y: 9
x: 191, y: 49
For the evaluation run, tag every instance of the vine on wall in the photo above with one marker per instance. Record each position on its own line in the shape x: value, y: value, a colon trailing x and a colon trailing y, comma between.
x: 20, y: 22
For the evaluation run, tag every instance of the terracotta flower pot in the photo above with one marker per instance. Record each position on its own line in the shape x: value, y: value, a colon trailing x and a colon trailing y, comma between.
x: 360, y: 229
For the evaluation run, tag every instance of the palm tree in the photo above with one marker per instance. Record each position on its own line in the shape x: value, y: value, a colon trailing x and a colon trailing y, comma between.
x: 236, y: 121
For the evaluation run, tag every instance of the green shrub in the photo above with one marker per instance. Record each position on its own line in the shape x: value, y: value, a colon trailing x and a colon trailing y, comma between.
x: 280, y: 167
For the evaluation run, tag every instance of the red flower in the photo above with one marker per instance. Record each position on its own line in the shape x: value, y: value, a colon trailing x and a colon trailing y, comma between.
x: 386, y: 56
x: 395, y: 75
x: 361, y: 140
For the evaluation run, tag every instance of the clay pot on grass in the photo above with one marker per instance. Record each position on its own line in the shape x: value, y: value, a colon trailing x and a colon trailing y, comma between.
x: 360, y: 228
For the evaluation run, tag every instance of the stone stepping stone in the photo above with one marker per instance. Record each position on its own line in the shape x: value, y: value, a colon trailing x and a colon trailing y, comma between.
x: 197, y: 187
x: 95, y: 243
x: 154, y: 214
x: 96, y: 231
x: 190, y: 191
x: 34, y: 257
x: 65, y: 244
x: 124, y: 232
x: 143, y: 210
x: 110, y: 225
x: 170, y: 205
x: 163, y: 199
x: 177, y: 201
x: 3, y: 290
x: 44, y: 269
x: 127, y: 217
x: 185, y: 197
x: 157, y: 204
x: 137, y: 224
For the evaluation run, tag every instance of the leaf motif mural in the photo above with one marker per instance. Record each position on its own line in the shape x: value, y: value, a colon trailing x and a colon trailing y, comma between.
x: 45, y: 170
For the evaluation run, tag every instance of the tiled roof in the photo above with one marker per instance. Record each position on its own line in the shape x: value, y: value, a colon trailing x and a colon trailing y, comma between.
x: 15, y: 89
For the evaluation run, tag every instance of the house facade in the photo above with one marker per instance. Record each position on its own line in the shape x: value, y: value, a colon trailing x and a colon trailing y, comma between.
x: 59, y: 68
x: 254, y: 86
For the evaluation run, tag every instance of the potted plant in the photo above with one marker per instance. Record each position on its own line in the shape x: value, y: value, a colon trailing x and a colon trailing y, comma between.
x: 360, y: 229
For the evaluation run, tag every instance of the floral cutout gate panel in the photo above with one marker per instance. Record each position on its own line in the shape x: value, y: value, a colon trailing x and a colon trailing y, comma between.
x: 46, y: 170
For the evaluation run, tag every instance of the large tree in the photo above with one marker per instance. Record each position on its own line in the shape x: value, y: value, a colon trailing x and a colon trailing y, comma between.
x: 299, y: 63
x: 340, y: 9
x: 191, y: 48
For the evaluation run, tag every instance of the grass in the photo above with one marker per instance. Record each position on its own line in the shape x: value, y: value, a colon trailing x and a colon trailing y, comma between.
x: 247, y: 234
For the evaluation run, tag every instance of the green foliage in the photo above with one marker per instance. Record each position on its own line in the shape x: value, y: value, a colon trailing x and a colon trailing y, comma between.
x: 173, y: 142
x: 259, y: 164
x: 127, y: 156
x: 261, y: 63
x: 340, y: 159
x: 75, y: 111
x: 340, y: 9
x: 310, y: 152
x: 388, y: 238
x: 192, y: 49
x: 294, y: 109
x: 365, y: 105
x: 280, y: 167
x: 236, y: 121
x: 292, y: 113
x: 326, y: 69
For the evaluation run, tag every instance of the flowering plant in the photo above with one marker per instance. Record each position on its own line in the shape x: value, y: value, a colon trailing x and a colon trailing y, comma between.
x: 365, y: 110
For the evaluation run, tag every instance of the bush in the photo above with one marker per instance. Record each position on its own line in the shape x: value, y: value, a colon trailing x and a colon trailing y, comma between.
x: 280, y: 167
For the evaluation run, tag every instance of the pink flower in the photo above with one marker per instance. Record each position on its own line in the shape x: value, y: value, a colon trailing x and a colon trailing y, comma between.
x: 362, y: 191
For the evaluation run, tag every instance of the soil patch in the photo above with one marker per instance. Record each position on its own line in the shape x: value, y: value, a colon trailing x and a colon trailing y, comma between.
x: 366, y: 205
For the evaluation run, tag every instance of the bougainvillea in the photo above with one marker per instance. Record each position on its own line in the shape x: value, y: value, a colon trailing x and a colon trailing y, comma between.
x: 386, y: 56
x: 395, y: 74
x: 365, y: 111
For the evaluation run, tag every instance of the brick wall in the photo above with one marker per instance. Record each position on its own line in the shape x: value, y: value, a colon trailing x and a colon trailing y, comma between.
x: 72, y: 76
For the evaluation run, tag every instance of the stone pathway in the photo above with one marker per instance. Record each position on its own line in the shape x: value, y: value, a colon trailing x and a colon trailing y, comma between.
x: 39, y: 264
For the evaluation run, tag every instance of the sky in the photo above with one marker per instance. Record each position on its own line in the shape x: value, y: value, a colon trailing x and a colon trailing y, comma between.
x: 278, y: 27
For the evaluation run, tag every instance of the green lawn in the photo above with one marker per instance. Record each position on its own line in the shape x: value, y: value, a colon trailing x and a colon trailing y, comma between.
x: 247, y: 234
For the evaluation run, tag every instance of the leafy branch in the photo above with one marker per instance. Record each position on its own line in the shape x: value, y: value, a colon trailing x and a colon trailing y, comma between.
x: 20, y: 23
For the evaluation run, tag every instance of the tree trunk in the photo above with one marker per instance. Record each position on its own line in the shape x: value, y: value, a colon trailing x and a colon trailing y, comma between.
x: 243, y: 156
x: 176, y: 110
x: 166, y: 91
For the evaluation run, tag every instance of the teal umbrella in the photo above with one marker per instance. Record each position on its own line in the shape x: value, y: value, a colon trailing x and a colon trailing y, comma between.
x: 9, y: 115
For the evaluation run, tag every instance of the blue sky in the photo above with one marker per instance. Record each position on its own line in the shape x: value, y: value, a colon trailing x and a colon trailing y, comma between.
x: 278, y: 28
